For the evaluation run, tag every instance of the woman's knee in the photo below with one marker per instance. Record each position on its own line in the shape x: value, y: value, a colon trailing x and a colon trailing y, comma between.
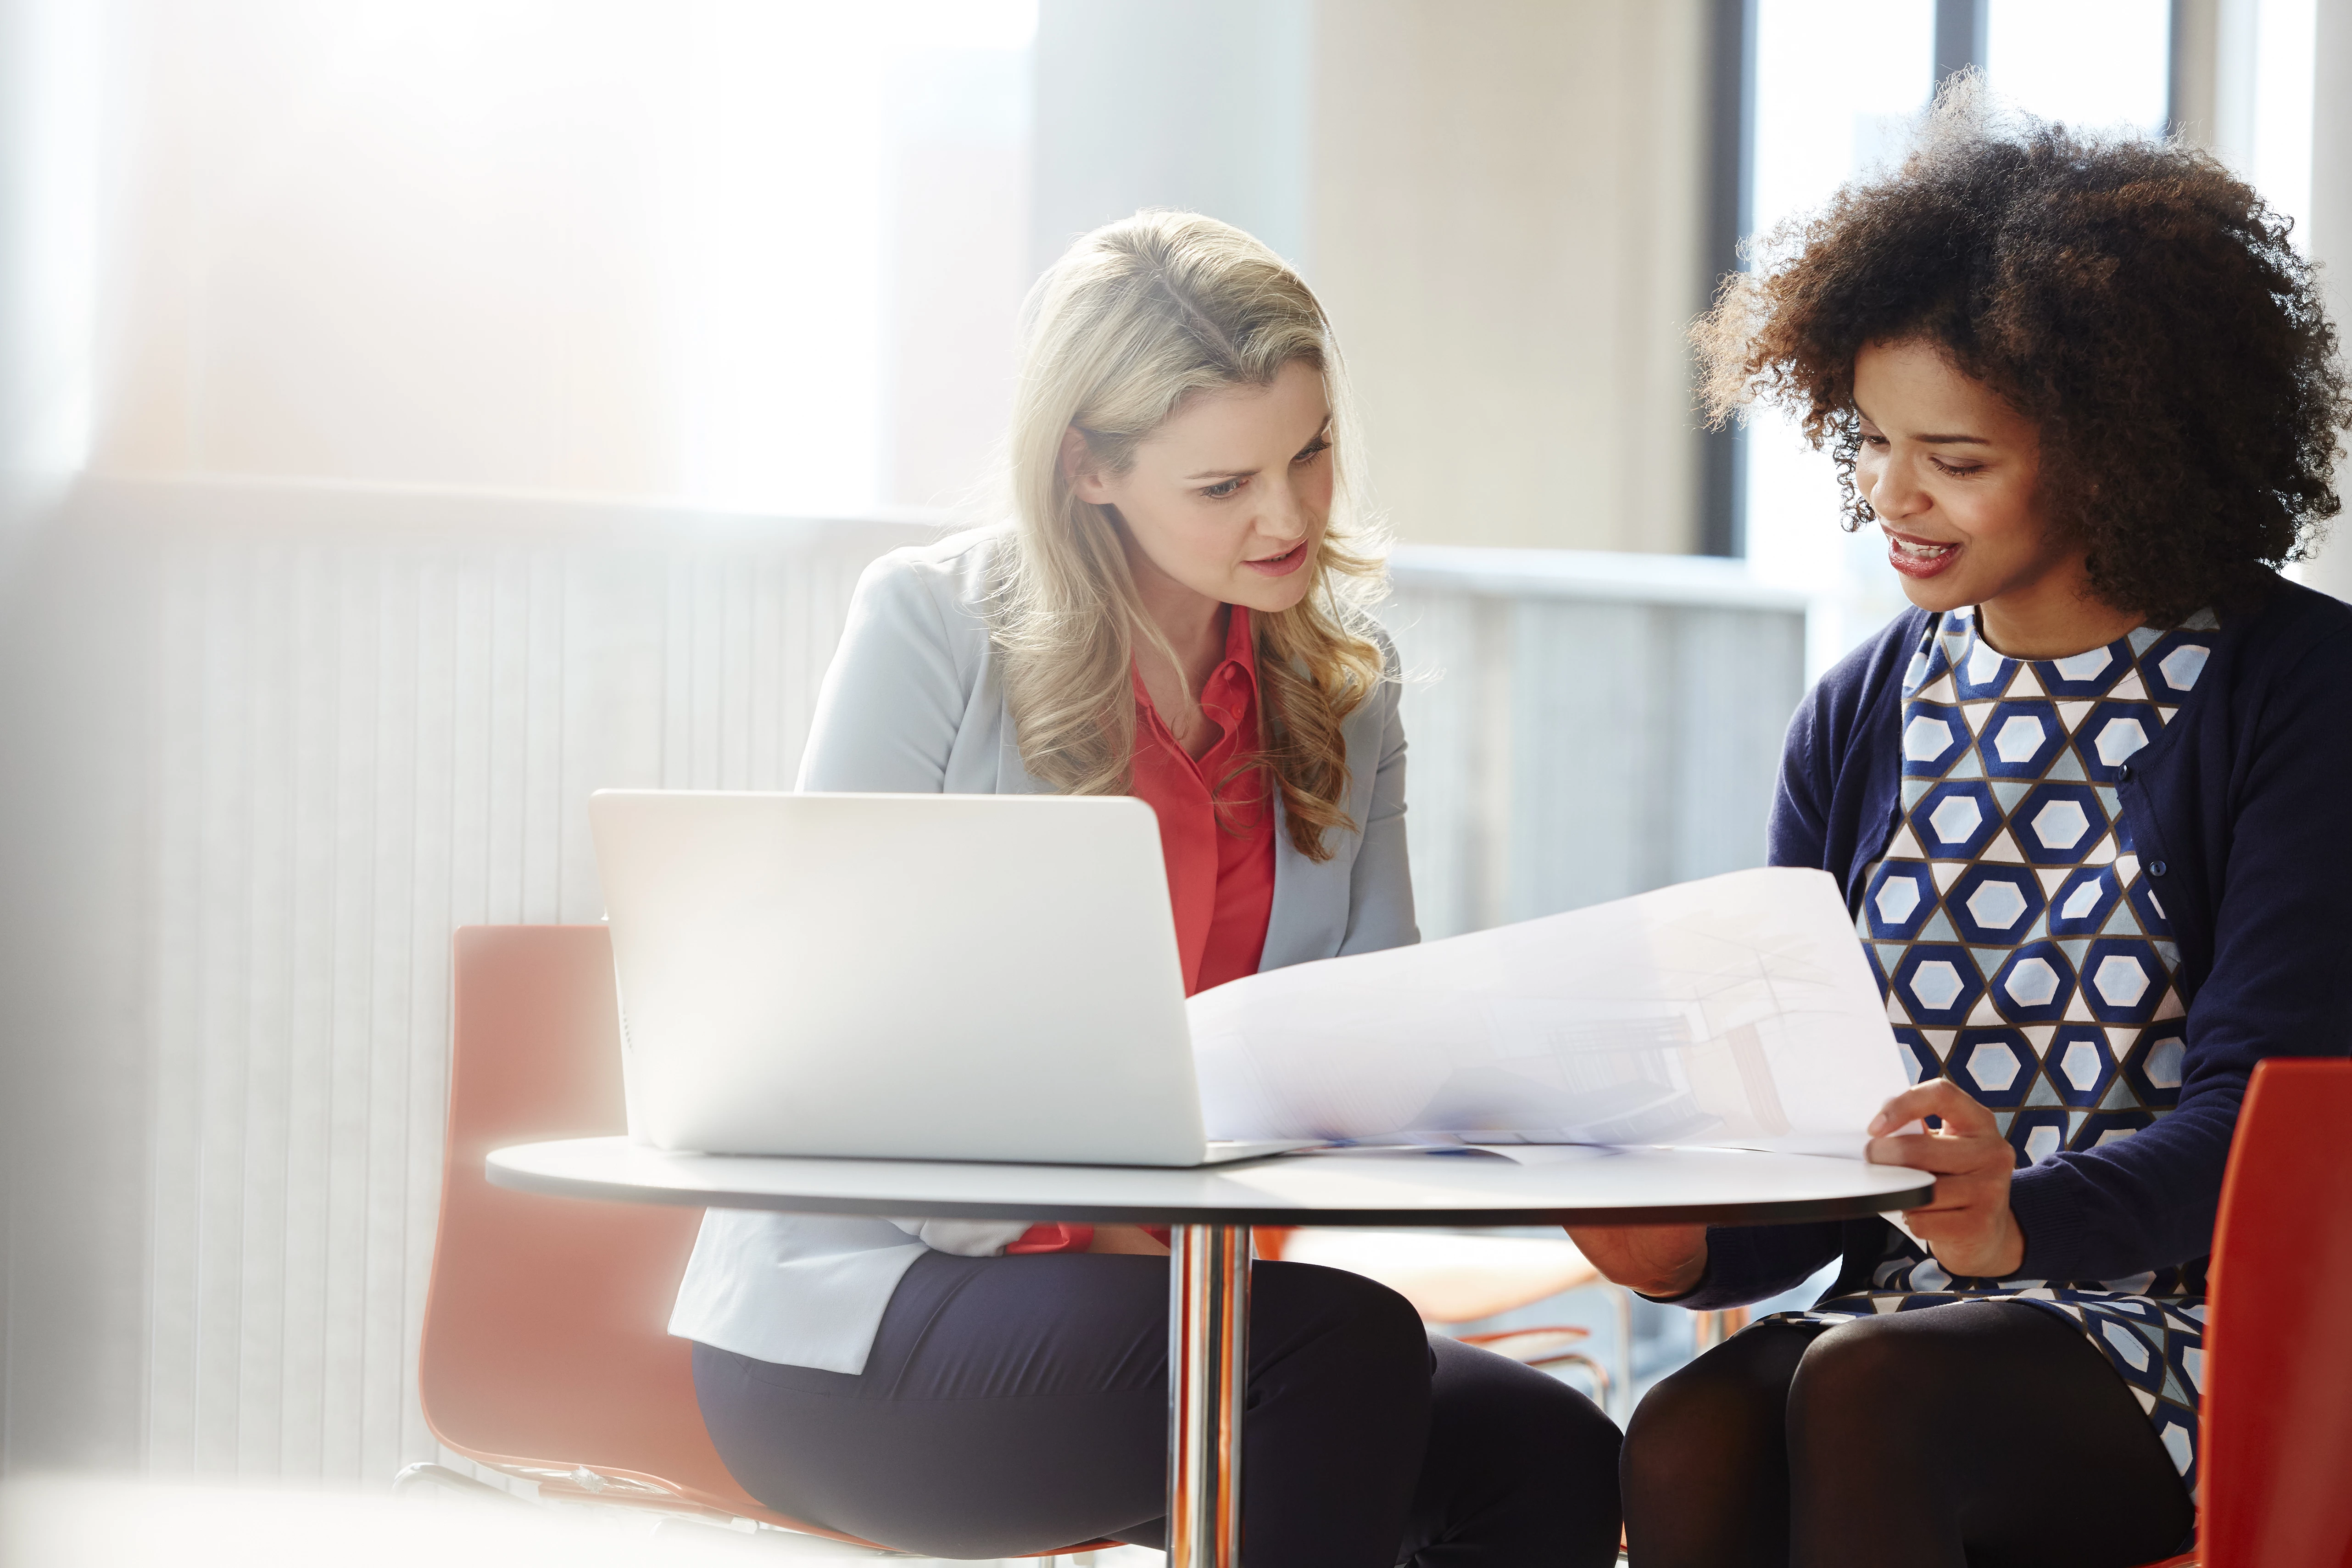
x: 1725, y: 1409
x: 1742, y: 1383
x: 1517, y: 1463
x: 1298, y: 1306
x: 1494, y: 1403
x: 1861, y: 1384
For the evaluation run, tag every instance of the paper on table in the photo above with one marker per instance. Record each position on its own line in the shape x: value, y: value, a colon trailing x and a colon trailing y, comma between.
x: 1736, y: 1011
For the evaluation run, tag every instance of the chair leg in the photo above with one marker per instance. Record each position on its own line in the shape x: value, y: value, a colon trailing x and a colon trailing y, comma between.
x: 1592, y: 1369
x: 1623, y: 1300
x: 416, y: 1478
x: 1709, y: 1330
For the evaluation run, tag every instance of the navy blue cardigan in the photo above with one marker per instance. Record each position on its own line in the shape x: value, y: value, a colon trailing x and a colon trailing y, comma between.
x: 2243, y: 806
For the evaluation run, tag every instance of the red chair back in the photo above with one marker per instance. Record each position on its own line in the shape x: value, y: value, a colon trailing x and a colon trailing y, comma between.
x: 544, y: 1351
x: 2275, y: 1455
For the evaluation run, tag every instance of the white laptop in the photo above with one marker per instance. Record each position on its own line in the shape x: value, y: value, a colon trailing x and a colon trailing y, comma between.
x: 939, y: 977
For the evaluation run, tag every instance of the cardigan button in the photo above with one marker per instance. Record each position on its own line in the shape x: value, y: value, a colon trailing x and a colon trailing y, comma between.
x: 2156, y: 868
x: 2122, y: 771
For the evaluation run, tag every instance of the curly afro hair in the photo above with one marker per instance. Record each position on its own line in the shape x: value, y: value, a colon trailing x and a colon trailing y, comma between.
x: 2136, y: 300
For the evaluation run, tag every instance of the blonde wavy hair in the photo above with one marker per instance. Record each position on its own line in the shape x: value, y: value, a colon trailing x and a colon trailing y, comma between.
x: 1134, y: 319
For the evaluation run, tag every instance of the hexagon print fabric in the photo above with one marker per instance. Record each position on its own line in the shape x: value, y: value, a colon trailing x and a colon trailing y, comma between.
x: 2018, y: 935
x: 2012, y: 913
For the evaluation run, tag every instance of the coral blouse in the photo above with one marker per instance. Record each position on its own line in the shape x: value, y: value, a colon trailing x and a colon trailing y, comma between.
x: 1220, y: 872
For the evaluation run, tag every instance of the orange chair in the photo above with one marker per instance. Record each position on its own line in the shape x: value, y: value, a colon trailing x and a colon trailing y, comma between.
x: 2275, y: 1428
x: 544, y: 1353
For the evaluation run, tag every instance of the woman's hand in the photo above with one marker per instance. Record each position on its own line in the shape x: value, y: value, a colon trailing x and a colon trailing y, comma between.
x: 1655, y: 1260
x: 1968, y: 1227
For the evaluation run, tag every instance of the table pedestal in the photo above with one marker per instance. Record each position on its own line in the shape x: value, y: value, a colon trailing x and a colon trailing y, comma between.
x: 1208, y: 1382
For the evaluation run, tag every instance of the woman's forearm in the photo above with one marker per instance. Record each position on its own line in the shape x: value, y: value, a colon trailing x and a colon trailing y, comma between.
x: 1654, y: 1260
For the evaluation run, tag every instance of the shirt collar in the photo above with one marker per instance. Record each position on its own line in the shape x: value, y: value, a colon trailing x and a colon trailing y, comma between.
x: 1240, y: 664
x: 1240, y: 648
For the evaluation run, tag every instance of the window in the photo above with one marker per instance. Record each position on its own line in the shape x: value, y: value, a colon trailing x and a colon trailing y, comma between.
x: 1838, y: 86
x: 2087, y: 62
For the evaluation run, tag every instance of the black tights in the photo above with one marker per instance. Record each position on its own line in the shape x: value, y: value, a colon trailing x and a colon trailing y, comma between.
x: 1980, y: 1435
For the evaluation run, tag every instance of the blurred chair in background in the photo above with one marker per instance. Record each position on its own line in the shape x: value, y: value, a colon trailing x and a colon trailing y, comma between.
x: 1453, y: 1278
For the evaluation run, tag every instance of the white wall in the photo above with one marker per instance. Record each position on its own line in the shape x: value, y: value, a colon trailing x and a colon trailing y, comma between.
x: 1500, y: 201
x: 1509, y: 206
x: 764, y: 255
x: 530, y: 246
x: 1202, y: 105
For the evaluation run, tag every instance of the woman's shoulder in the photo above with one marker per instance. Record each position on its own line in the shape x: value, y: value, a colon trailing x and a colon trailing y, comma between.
x: 1380, y: 714
x: 2293, y: 636
x: 1375, y: 712
x: 1880, y: 659
x: 940, y: 589
x: 1855, y: 686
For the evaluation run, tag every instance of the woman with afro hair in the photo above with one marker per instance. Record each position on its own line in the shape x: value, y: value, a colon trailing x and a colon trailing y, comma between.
x: 2090, y: 800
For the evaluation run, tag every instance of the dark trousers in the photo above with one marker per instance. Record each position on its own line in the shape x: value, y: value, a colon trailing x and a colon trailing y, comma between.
x: 1981, y: 1435
x: 1020, y: 1404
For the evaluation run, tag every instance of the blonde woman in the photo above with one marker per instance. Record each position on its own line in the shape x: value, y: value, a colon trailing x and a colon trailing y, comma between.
x: 1176, y: 611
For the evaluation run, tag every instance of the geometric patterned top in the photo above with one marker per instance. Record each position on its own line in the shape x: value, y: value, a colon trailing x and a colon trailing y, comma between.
x: 2023, y: 949
x: 2024, y: 953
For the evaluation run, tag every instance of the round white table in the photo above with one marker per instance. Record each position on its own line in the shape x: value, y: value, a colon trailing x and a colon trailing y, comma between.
x: 1209, y: 1211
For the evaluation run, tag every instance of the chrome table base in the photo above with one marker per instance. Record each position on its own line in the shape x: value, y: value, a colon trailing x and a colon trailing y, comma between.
x: 1208, y: 1382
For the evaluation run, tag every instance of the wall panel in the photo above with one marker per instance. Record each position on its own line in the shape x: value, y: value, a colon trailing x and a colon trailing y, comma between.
x: 1581, y: 731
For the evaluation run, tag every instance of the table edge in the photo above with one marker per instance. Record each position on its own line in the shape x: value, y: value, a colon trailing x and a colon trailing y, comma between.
x: 1792, y: 1211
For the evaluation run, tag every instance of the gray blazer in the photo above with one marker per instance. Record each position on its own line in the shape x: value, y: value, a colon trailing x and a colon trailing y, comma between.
x: 912, y: 704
